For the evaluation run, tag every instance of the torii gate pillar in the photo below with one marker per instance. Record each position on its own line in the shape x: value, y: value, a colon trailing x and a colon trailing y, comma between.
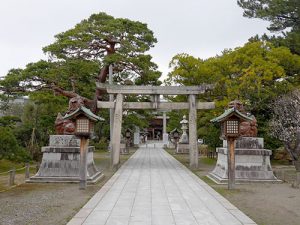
x: 116, y: 137
x: 193, y: 133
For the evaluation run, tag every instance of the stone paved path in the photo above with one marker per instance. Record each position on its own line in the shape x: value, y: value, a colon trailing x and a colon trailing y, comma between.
x: 153, y: 188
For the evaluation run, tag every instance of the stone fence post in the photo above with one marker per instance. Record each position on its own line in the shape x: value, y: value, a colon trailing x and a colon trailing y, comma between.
x: 37, y: 167
x: 12, y: 174
x: 27, y: 170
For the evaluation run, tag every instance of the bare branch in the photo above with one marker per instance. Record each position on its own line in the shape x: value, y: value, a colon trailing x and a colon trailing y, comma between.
x: 285, y: 124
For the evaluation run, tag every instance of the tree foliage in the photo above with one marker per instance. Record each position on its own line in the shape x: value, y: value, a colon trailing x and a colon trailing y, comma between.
x: 9, y: 147
x: 9, y: 121
x: 256, y: 74
x: 250, y: 73
x: 282, y: 14
x: 8, y: 143
x: 108, y: 40
x: 77, y: 59
x: 80, y: 56
x: 291, y: 40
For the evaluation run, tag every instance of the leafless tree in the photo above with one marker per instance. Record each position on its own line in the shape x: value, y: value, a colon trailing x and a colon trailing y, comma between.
x: 285, y: 125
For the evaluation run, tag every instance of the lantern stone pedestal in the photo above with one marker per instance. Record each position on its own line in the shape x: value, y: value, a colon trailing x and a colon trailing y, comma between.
x: 136, y: 137
x: 252, y: 162
x: 183, y: 144
x: 61, y: 162
x: 165, y: 139
x: 123, y: 149
x: 182, y: 148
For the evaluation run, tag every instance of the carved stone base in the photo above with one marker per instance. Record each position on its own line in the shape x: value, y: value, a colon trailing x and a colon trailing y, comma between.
x: 183, y: 148
x: 251, y: 165
x: 61, y: 161
x: 123, y: 149
x: 165, y: 139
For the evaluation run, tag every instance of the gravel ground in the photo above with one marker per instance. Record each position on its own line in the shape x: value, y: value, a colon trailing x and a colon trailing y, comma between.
x: 45, y: 204
x: 265, y: 203
x: 268, y: 204
x: 42, y: 203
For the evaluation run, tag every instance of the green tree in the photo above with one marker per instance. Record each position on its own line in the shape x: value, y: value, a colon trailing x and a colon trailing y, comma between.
x: 77, y: 59
x: 9, y: 148
x: 82, y: 55
x: 108, y: 40
x: 9, y: 121
x: 256, y: 74
x: 290, y: 40
x: 8, y: 143
x: 282, y: 14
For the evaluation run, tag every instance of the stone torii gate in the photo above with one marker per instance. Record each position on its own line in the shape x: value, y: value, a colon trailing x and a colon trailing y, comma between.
x: 118, y: 105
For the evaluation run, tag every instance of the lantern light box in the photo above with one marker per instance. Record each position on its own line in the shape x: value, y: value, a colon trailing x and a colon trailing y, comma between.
x: 230, y: 122
x: 84, y: 121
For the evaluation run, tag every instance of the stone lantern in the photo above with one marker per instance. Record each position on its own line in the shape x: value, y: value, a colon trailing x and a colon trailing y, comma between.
x: 84, y: 129
x: 183, y: 143
x: 128, y: 133
x: 128, y: 137
x: 175, y: 134
x: 184, y: 139
x: 230, y: 130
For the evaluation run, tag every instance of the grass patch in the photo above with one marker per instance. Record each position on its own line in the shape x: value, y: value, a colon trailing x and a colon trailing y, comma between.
x: 101, y: 150
x: 102, y: 158
x: 6, y: 165
x: 221, y: 189
x: 207, y: 180
x: 283, y: 162
x: 208, y: 161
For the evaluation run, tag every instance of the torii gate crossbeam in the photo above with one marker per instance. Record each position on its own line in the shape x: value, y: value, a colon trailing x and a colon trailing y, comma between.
x: 119, y: 105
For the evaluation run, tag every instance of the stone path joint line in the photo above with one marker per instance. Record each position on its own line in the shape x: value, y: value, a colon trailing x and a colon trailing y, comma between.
x: 152, y: 188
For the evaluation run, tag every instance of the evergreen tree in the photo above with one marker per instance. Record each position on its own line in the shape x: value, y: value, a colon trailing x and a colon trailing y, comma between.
x: 81, y: 56
x: 282, y: 14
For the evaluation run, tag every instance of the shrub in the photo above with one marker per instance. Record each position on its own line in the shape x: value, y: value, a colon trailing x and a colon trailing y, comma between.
x: 102, y: 144
x: 9, y: 147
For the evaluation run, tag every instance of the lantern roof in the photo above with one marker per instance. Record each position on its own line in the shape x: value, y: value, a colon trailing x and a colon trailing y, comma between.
x: 184, y: 120
x: 175, y: 130
x: 231, y: 112
x: 85, y: 111
x: 128, y: 129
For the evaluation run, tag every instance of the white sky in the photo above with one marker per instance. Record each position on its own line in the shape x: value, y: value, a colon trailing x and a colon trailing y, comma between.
x: 202, y: 28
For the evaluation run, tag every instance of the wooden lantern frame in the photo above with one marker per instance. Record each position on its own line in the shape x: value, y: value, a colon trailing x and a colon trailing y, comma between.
x: 231, y: 114
x: 231, y: 127
x: 83, y: 114
x: 128, y: 133
x: 175, y: 131
x: 79, y: 129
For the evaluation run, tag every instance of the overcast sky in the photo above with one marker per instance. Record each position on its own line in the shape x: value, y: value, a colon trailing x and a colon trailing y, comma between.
x: 202, y: 28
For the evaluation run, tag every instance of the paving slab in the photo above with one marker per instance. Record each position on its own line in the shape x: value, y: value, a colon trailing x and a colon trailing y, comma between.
x: 153, y: 188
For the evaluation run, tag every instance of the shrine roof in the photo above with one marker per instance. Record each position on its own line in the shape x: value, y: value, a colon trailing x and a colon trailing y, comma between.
x: 83, y: 110
x: 231, y: 112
